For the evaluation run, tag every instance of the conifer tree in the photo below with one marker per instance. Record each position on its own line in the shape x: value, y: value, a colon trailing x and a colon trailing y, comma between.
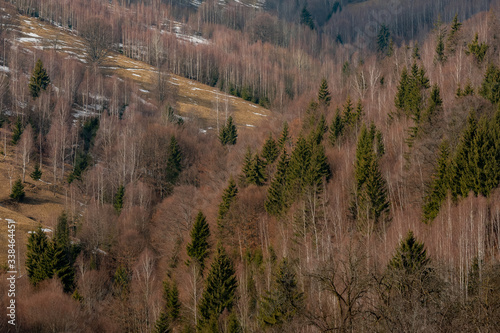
x: 348, y: 112
x: 17, y: 193
x: 452, y: 36
x: 416, y: 52
x: 233, y: 325
x: 247, y: 165
x: 277, y: 200
x: 318, y: 167
x: 220, y: 288
x: 439, y: 186
x: 477, y: 50
x: 162, y: 324
x: 336, y: 129
x: 441, y: 33
x: 317, y: 133
x: 485, y: 166
x: 257, y: 174
x: 270, y: 150
x: 383, y: 39
x: 359, y: 113
x: 324, y: 96
x: 118, y: 199
x: 198, y: 248
x: 285, y: 136
x: 284, y: 300
x: 171, y: 311
x: 39, y: 79
x: 228, y: 133
x: 64, y: 254
x: 434, y: 106
x: 39, y: 257
x: 298, y: 167
x: 490, y: 88
x: 228, y: 198
x: 17, y: 131
x: 306, y: 18
x: 410, y: 262
x: 174, y: 162
x: 462, y: 172
x: 37, y: 173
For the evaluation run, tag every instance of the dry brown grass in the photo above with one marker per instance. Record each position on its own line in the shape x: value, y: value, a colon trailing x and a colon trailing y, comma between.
x: 195, y: 100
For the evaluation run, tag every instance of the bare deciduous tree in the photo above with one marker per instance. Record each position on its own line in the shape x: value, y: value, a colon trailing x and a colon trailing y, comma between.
x: 97, y: 36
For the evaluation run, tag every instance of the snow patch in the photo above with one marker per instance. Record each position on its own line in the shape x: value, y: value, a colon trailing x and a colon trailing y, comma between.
x: 260, y: 114
x: 248, y: 125
x: 4, y: 69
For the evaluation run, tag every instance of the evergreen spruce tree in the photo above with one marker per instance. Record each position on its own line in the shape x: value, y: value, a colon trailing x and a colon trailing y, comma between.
x: 162, y: 324
x: 410, y: 263
x: 64, y: 254
x: 17, y: 131
x: 284, y: 300
x: 462, y: 181
x: 316, y: 135
x: 379, y: 145
x: 439, y: 186
x: 416, y: 52
x: 440, y: 57
x: 477, y: 50
x: 39, y: 257
x: 306, y: 18
x: 298, y: 167
x: 270, y: 150
x: 118, y: 199
x: 257, y: 174
x: 277, y: 199
x: 364, y: 157
x: 452, y: 36
x: 220, y: 288
x: 246, y: 169
x: 174, y: 162
x: 349, y: 116
x: 17, y: 193
x: 232, y: 134
x: 37, y: 173
x: 228, y: 198
x: 383, y: 38
x: 324, y: 96
x: 285, y: 136
x: 318, y: 167
x: 359, y: 113
x: 490, y: 88
x: 233, y: 325
x: 435, y: 105
x: 171, y: 311
x: 485, y: 166
x: 198, y: 248
x: 39, y: 79
x: 336, y: 129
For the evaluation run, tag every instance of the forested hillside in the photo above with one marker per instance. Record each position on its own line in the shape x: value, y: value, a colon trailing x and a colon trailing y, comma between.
x: 251, y: 166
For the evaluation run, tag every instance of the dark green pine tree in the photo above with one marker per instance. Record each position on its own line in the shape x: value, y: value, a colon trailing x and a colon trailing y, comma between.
x: 171, y: 311
x: 319, y: 169
x: 316, y: 135
x: 246, y: 169
x: 233, y: 325
x: 416, y: 52
x: 270, y: 150
x: 477, y: 50
x: 463, y: 171
x: 359, y: 113
x: 440, y: 56
x: 379, y: 144
x: 435, y: 105
x: 439, y: 186
x: 336, y: 129
x: 228, y: 198
x: 484, y: 163
x: 232, y: 134
x: 285, y: 136
x: 284, y: 300
x: 17, y: 131
x: 64, y: 254
x: 410, y: 263
x: 257, y: 171
x: 37, y: 173
x: 39, y: 79
x: 118, y: 199
x: 349, y: 117
x: 383, y: 40
x: 198, y: 248
x: 17, y: 193
x: 277, y: 200
x: 39, y: 257
x: 490, y: 88
x: 162, y: 324
x: 174, y: 162
x: 364, y: 157
x: 402, y: 90
x: 306, y: 18
x: 452, y: 36
x: 220, y: 288
x: 324, y: 96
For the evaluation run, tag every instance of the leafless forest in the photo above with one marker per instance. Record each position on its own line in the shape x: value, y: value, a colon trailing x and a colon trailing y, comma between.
x: 367, y: 200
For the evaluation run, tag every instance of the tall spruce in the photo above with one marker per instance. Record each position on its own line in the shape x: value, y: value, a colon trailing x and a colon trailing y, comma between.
x: 284, y: 300
x: 220, y: 288
x: 270, y: 150
x: 490, y: 87
x: 17, y: 193
x: 228, y: 134
x: 383, y: 40
x: 37, y: 172
x: 277, y: 196
x: 198, y: 248
x: 246, y: 168
x: 39, y: 79
x: 118, y: 199
x: 285, y: 136
x: 462, y: 181
x: 477, y: 50
x: 453, y: 35
x: 17, y: 131
x: 257, y: 175
x: 438, y: 188
x: 336, y: 129
x: 171, y: 311
x: 174, y: 162
x: 64, y: 254
x: 440, y: 56
x: 39, y: 257
x: 298, y: 167
x: 324, y: 96
x: 306, y: 18
x: 228, y: 198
